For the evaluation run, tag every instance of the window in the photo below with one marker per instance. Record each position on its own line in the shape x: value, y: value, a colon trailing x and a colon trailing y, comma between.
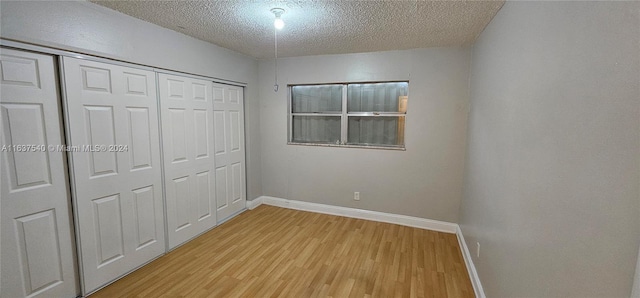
x: 350, y: 115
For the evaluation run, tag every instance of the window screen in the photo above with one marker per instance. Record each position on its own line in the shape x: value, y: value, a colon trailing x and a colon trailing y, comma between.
x: 359, y: 114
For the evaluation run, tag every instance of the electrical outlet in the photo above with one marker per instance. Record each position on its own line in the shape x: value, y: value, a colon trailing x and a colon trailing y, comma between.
x: 477, y: 249
x: 356, y: 196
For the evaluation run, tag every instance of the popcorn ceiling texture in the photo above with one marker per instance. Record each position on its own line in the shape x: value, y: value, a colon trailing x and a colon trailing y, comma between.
x: 319, y: 27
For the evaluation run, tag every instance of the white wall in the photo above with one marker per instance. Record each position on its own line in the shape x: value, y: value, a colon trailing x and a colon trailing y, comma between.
x: 424, y: 181
x: 92, y: 29
x: 553, y: 158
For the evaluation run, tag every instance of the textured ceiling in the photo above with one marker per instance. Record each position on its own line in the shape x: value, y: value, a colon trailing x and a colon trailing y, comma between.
x: 318, y: 27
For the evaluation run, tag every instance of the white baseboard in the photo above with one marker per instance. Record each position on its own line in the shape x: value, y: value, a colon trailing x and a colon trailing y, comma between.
x: 473, y: 274
x: 416, y: 222
x: 254, y: 203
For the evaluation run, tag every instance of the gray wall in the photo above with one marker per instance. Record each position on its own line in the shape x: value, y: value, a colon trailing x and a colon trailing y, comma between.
x: 92, y: 29
x: 635, y: 293
x: 553, y: 158
x: 424, y: 181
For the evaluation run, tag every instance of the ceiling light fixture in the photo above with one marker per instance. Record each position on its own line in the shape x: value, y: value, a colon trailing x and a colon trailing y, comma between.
x: 278, y: 23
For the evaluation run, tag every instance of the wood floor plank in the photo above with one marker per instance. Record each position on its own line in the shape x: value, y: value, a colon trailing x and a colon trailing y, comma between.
x: 277, y: 252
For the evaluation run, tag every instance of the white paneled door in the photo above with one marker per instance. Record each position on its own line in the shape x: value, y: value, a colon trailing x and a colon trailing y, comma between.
x: 37, y: 249
x: 113, y: 124
x: 229, y: 151
x: 187, y: 134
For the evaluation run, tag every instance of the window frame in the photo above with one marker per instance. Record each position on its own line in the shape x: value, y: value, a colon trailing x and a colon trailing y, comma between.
x: 344, y: 117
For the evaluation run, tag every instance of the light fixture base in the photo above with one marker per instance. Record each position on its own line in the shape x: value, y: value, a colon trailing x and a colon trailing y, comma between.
x: 277, y: 11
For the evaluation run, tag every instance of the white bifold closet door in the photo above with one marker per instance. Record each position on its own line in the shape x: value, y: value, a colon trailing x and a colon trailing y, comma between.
x: 37, y: 245
x: 187, y: 134
x: 228, y: 123
x: 113, y: 120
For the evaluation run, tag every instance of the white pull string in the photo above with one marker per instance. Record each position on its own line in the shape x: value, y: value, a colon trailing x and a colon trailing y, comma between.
x: 275, y: 86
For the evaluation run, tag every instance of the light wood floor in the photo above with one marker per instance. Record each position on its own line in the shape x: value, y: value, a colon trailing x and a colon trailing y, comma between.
x: 270, y: 251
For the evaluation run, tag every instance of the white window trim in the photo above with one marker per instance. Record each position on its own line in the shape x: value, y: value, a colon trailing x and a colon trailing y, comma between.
x: 344, y: 117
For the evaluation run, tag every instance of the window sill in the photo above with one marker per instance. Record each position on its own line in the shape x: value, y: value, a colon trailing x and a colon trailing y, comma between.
x: 348, y: 146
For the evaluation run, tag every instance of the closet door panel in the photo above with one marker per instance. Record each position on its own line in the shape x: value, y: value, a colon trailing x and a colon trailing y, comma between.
x: 187, y: 120
x: 37, y: 235
x: 229, y: 151
x: 140, y: 138
x: 114, y: 133
x: 145, y: 214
